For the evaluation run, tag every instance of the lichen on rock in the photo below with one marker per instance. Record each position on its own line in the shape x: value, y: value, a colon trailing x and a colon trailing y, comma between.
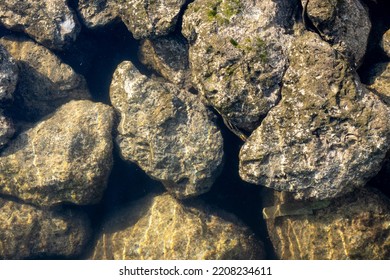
x: 64, y: 158
x: 168, y: 132
x: 158, y: 227
x: 327, y: 135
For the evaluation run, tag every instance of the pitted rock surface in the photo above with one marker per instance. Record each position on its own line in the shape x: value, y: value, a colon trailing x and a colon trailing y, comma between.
x: 51, y: 23
x: 160, y: 228
x: 327, y: 135
x: 45, y: 82
x: 169, y: 133
x: 65, y: 158
x: 27, y: 232
x: 238, y: 55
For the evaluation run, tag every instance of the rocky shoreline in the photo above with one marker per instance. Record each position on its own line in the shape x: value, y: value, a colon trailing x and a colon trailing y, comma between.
x: 173, y: 129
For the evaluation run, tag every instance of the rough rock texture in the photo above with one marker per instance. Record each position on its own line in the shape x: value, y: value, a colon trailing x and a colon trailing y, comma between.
x: 145, y: 18
x: 45, y: 82
x: 343, y: 23
x: 327, y: 135
x: 8, y: 75
x: 97, y: 13
x: 168, y: 56
x: 169, y: 133
x: 238, y: 55
x: 65, y: 158
x: 29, y: 232
x: 379, y: 81
x: 356, y: 226
x: 6, y: 129
x: 160, y: 228
x: 50, y: 23
x: 385, y: 43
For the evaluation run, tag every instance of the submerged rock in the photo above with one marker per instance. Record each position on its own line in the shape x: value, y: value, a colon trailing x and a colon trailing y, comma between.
x: 169, y: 133
x: 97, y: 13
x: 168, y: 56
x: 8, y: 75
x: 27, y: 232
x: 379, y: 81
x: 45, y: 82
x: 160, y: 228
x: 50, y: 23
x: 65, y: 158
x: 356, y: 226
x: 327, y: 135
x: 385, y: 43
x: 343, y: 23
x: 238, y: 55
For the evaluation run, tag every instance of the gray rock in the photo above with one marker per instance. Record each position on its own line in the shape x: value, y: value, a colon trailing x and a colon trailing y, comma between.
x: 355, y: 226
x: 238, y: 55
x: 169, y: 133
x: 6, y: 129
x: 97, y: 13
x: 327, y: 135
x: 379, y: 81
x: 51, y: 23
x: 343, y: 23
x: 8, y: 75
x: 65, y: 158
x: 27, y: 232
x: 45, y: 82
x: 160, y: 228
x: 385, y: 43
x: 145, y: 18
x: 168, y: 56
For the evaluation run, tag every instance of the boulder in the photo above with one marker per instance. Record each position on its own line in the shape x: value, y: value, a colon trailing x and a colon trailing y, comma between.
x: 158, y: 227
x: 97, y: 13
x: 327, y: 135
x: 355, y: 226
x: 50, y: 23
x: 45, y: 82
x: 27, y: 232
x: 65, y: 158
x: 238, y: 55
x: 7, y: 129
x: 379, y: 81
x: 8, y: 75
x: 168, y: 132
x: 385, y: 43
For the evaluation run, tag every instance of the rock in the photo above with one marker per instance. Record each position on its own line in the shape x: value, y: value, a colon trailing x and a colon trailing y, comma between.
x: 238, y: 55
x: 385, y: 43
x: 97, y: 13
x: 65, y: 158
x: 45, y: 82
x: 27, y: 232
x: 146, y: 18
x: 356, y: 226
x: 50, y: 23
x: 8, y: 75
x: 379, y: 81
x: 343, y: 23
x: 6, y: 129
x: 168, y: 56
x: 169, y: 133
x: 327, y: 135
x: 160, y: 228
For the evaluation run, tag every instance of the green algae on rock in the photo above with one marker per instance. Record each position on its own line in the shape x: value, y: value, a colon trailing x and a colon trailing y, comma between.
x: 355, y: 226
x: 161, y: 228
x: 326, y: 136
x: 45, y: 82
x: 168, y: 132
x: 51, y: 23
x: 238, y: 55
x: 28, y: 232
x: 64, y: 158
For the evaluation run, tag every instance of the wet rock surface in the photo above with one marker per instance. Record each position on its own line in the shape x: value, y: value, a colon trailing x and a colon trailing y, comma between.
x: 51, y: 23
x: 168, y: 132
x: 28, y: 232
x: 327, y: 135
x: 65, y: 158
x: 356, y: 226
x: 160, y: 228
x: 45, y: 82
